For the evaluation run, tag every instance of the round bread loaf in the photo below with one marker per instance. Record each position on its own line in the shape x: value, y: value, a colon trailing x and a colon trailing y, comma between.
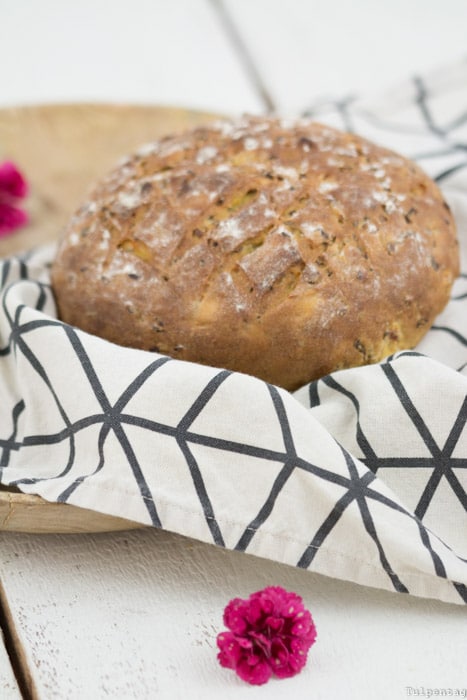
x: 283, y: 249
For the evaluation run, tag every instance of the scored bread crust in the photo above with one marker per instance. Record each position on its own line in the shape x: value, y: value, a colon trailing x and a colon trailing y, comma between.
x: 282, y: 249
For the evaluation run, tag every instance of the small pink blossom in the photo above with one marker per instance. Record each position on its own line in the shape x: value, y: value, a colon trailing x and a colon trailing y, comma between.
x: 13, y: 187
x: 270, y: 633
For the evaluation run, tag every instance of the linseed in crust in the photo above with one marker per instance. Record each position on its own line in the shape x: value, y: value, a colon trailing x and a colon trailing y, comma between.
x: 282, y: 249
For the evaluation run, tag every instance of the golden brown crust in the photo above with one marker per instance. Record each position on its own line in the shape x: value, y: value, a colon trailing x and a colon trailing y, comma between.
x: 285, y: 250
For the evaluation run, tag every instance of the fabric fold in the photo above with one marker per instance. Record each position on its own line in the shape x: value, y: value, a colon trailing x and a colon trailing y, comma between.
x: 360, y: 475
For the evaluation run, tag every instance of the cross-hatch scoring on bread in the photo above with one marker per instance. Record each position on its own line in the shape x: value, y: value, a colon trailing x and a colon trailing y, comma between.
x: 283, y: 249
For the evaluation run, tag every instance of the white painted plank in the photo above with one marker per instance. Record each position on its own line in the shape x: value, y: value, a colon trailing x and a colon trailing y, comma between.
x: 149, y: 51
x: 135, y: 615
x: 308, y: 49
x: 8, y: 687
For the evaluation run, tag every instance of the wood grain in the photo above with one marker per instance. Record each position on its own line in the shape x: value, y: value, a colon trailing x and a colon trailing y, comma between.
x: 21, y: 512
x: 63, y: 150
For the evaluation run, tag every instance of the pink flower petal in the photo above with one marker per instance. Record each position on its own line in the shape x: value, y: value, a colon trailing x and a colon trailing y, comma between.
x: 11, y: 218
x: 230, y: 651
x: 274, y: 623
x: 12, y: 182
x: 254, y: 611
x: 255, y: 674
x: 234, y: 616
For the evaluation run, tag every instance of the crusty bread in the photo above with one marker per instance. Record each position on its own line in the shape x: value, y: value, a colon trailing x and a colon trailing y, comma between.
x: 281, y: 249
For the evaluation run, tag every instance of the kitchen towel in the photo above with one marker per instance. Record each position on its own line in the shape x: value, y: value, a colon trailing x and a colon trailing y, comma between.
x: 361, y: 475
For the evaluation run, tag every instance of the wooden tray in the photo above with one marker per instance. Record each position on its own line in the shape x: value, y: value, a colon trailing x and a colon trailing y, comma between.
x: 21, y: 512
x: 62, y: 150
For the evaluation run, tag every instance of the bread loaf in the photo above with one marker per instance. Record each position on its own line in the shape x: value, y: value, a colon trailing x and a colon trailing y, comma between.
x: 283, y: 249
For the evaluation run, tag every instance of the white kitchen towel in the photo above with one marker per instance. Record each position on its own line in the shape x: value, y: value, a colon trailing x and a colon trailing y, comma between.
x: 361, y: 475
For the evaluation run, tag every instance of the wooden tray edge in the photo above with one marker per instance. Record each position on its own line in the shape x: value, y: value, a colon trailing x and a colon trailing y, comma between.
x: 20, y: 512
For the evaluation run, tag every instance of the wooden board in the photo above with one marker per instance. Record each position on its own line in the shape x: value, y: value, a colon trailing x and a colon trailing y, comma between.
x: 8, y: 686
x: 22, y: 512
x: 63, y: 150
x: 308, y: 52
x: 134, y: 616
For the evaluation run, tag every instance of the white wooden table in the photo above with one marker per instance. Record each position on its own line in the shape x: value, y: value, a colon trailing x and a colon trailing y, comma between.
x: 135, y: 614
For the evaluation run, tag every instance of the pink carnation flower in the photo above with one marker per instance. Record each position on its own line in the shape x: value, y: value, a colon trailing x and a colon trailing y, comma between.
x: 269, y: 633
x: 13, y: 187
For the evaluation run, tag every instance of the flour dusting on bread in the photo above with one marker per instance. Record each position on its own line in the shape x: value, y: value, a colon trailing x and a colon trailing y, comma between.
x: 280, y: 248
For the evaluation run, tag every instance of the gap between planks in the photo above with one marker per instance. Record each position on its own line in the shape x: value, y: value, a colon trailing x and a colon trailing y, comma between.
x: 240, y: 47
x: 15, y: 651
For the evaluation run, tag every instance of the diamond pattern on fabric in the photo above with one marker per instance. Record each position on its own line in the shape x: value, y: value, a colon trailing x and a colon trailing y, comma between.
x: 360, y: 475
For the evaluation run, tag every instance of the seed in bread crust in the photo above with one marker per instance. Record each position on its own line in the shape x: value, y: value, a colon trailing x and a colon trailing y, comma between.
x: 280, y: 248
